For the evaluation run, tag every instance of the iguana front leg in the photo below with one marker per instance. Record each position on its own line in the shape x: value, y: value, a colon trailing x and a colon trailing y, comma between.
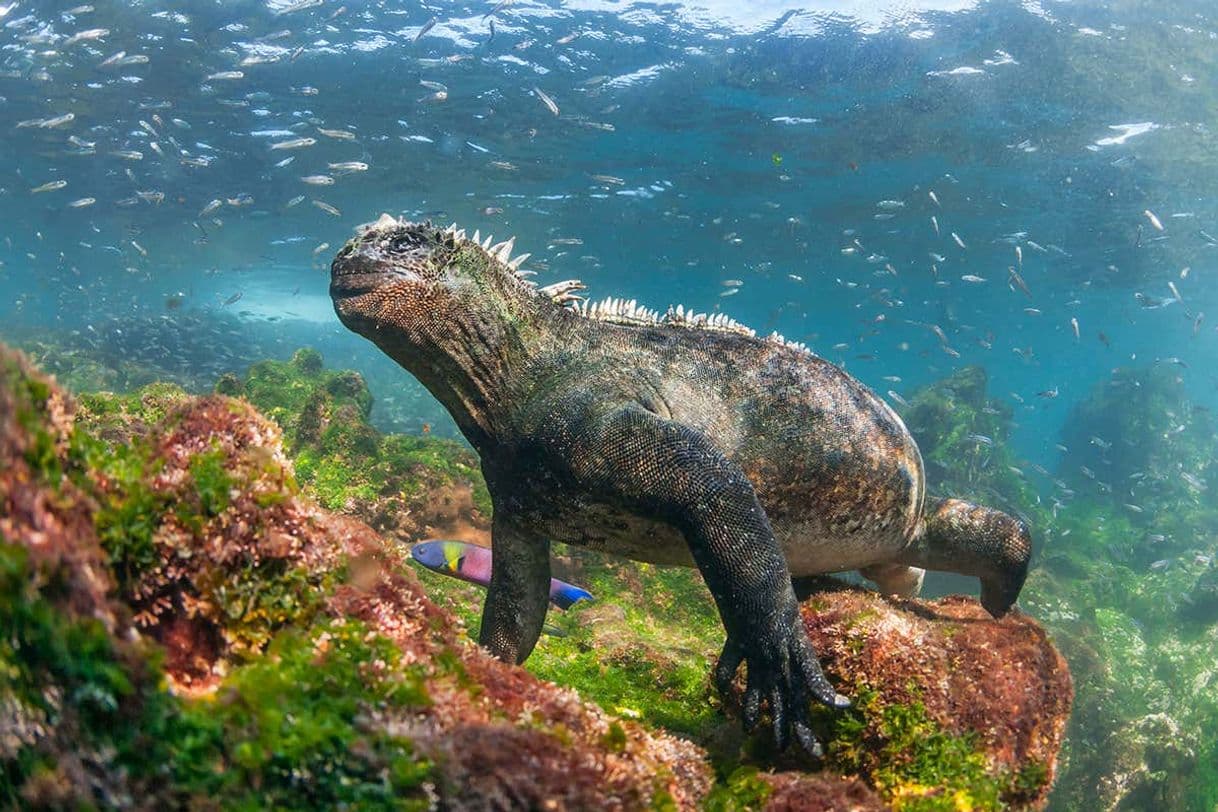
x: 664, y: 469
x: 519, y: 592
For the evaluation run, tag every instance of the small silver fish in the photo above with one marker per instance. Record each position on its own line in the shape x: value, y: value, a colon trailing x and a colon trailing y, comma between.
x: 224, y: 76
x: 327, y: 208
x: 49, y: 186
x: 294, y: 143
x: 546, y: 100
x: 427, y: 26
x: 972, y: 278
x: 341, y: 135
x: 1074, y: 327
x: 318, y: 180
x: 86, y: 36
x: 959, y: 241
x: 1154, y: 221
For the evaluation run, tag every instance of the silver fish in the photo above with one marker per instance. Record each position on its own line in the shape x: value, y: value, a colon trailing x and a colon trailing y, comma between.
x: 294, y: 143
x: 546, y: 100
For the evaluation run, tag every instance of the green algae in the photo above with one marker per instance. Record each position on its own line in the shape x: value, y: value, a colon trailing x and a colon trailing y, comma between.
x: 284, y: 730
x: 914, y: 764
x: 963, y: 437
x: 128, y: 510
x: 741, y: 790
x: 340, y: 458
x: 60, y: 671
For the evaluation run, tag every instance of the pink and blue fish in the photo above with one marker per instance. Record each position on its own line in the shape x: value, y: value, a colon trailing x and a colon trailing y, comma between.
x: 472, y: 563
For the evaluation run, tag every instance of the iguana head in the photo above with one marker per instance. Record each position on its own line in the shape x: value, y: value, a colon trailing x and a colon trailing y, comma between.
x: 450, y: 309
x: 415, y: 279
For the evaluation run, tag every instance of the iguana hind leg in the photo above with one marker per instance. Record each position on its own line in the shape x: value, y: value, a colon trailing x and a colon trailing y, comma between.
x: 958, y: 536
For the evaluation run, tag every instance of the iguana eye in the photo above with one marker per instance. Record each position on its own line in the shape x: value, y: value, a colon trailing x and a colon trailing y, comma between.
x: 405, y: 242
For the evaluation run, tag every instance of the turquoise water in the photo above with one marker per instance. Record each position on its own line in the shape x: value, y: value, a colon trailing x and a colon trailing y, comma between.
x: 860, y: 176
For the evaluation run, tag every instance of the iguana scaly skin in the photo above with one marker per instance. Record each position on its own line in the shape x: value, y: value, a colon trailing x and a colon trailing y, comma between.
x: 673, y: 439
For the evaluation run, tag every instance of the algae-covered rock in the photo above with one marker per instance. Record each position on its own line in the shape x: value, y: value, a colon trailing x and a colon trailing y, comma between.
x: 405, y: 486
x: 1138, y: 445
x: 79, y: 701
x: 951, y: 706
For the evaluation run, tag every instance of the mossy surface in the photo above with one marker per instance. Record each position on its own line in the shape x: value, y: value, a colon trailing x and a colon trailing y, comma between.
x: 340, y: 458
x: 283, y: 731
x: 912, y: 761
x: 60, y: 673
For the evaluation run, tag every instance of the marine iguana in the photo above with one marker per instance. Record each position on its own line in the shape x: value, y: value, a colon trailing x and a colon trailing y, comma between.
x: 674, y: 438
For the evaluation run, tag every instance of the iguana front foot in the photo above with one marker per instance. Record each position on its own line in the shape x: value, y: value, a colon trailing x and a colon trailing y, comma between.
x: 783, y: 671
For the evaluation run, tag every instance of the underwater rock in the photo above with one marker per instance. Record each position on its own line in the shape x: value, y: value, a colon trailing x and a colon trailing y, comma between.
x: 1137, y: 439
x: 1201, y: 603
x: 1151, y: 760
x: 988, y: 699
x: 405, y: 486
x: 75, y: 681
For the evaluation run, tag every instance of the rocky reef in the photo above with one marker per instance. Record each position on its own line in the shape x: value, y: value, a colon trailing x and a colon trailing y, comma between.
x: 202, y: 617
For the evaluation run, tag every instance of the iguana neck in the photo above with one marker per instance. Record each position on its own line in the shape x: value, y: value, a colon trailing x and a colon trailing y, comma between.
x: 475, y: 360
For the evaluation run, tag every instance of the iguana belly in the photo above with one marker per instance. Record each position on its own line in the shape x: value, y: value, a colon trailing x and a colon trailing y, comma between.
x: 808, y: 548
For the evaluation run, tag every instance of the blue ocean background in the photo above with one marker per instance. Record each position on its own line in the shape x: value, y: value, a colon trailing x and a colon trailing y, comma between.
x: 781, y: 163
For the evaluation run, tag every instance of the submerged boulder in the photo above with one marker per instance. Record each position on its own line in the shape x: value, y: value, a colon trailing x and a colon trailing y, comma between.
x: 951, y: 703
x: 192, y: 629
x: 404, y: 486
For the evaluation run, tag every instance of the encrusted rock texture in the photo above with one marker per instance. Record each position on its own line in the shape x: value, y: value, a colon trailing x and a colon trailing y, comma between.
x: 187, y: 549
x: 1001, y: 682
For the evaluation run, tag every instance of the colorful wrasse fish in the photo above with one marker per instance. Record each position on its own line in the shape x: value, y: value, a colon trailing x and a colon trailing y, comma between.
x: 472, y: 563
